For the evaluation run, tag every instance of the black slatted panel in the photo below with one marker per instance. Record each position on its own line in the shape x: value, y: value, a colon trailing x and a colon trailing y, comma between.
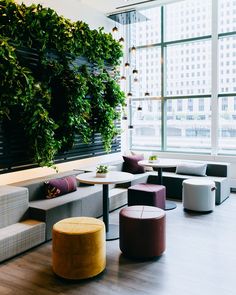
x: 14, y: 147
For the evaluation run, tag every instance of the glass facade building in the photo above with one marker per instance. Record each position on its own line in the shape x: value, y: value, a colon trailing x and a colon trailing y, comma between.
x: 186, y: 62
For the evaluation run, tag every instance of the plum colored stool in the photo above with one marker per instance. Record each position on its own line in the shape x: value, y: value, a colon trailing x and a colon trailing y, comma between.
x: 142, y: 231
x: 147, y: 194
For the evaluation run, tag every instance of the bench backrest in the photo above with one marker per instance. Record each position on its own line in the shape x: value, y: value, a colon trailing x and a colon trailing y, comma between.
x: 213, y: 169
x: 36, y: 186
x: 14, y: 203
x: 219, y: 170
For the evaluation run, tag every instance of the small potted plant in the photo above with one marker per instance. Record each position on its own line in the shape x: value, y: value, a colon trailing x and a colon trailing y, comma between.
x: 153, y: 159
x: 101, y: 171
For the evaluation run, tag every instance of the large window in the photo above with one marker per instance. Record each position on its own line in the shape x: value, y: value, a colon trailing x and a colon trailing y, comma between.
x: 227, y: 64
x: 148, y: 63
x: 178, y: 66
x: 227, y: 130
x: 188, y: 68
x: 146, y: 124
x: 187, y: 19
x: 227, y: 16
x: 193, y: 128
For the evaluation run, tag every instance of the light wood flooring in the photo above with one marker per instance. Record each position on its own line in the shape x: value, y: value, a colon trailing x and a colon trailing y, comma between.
x: 200, y: 259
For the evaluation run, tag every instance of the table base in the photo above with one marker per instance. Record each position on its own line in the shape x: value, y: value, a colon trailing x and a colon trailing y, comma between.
x: 113, y: 233
x: 170, y: 205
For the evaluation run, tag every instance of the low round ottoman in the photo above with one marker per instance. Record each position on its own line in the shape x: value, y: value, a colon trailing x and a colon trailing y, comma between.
x: 147, y: 194
x: 78, y: 247
x: 142, y: 231
x: 199, y: 194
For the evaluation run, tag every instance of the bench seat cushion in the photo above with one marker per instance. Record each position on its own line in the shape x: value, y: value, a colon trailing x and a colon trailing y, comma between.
x: 19, y: 237
x: 80, y: 193
x: 85, y: 201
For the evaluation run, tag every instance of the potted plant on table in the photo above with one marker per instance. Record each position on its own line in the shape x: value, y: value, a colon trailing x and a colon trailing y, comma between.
x: 101, y: 171
x: 153, y: 159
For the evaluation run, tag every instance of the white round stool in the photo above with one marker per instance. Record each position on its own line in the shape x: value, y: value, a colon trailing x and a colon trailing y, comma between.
x: 199, y: 194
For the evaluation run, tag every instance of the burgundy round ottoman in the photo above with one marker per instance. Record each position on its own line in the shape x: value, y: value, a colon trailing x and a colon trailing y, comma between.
x: 142, y: 231
x: 147, y: 194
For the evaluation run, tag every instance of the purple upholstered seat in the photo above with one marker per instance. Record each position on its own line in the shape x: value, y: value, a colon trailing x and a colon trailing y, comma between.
x: 147, y: 194
x: 142, y: 231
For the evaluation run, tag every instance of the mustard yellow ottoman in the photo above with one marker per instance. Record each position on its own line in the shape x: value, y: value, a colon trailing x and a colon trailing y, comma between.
x: 78, y: 247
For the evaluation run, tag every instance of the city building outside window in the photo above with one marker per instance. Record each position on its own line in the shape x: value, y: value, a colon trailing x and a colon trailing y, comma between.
x: 174, y: 59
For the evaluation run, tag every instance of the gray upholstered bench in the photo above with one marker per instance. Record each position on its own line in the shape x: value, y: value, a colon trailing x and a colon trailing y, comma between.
x: 218, y: 172
x: 18, y: 233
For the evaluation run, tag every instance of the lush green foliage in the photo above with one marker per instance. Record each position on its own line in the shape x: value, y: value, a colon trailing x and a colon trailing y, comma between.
x: 58, y: 100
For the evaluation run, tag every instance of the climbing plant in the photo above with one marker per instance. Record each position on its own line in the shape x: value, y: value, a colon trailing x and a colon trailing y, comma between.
x: 58, y: 99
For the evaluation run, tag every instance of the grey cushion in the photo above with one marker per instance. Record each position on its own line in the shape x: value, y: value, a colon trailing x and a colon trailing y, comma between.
x: 19, y: 237
x: 192, y: 168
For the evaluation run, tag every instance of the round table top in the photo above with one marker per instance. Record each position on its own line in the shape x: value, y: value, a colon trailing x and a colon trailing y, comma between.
x: 160, y: 163
x: 112, y: 177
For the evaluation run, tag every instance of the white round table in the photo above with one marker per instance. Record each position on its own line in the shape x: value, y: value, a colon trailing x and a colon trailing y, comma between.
x: 159, y: 165
x: 112, y: 230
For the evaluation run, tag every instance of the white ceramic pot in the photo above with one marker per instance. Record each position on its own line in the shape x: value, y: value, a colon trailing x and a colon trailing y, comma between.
x: 153, y: 161
x: 101, y: 174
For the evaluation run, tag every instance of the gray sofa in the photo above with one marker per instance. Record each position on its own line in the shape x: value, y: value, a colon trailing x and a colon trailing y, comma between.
x: 85, y: 201
x: 18, y: 232
x: 218, y: 172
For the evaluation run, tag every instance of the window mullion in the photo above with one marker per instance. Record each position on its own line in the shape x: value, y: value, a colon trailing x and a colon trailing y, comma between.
x: 214, y: 80
x: 163, y: 85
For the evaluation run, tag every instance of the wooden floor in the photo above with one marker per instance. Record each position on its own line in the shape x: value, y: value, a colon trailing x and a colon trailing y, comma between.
x: 200, y: 259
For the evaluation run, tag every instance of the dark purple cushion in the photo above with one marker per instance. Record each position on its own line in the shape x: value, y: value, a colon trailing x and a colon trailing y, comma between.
x: 131, y: 164
x: 60, y: 186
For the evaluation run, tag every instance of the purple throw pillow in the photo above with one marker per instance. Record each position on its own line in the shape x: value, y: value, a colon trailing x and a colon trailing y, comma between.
x: 60, y: 186
x: 131, y: 164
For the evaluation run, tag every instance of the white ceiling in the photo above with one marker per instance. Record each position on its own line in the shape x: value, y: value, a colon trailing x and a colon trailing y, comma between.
x: 108, y: 6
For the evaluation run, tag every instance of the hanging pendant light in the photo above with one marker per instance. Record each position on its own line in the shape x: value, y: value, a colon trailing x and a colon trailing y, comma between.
x: 147, y: 93
x: 133, y: 49
x: 121, y: 40
x: 123, y: 78
x: 129, y: 94
x: 139, y: 108
x: 115, y: 29
x: 127, y: 65
x: 130, y: 127
x: 135, y: 71
x: 124, y: 117
x: 135, y: 80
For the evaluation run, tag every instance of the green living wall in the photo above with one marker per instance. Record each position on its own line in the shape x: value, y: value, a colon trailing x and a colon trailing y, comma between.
x: 61, y: 97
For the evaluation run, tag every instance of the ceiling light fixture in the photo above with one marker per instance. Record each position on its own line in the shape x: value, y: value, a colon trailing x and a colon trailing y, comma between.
x: 121, y: 40
x: 115, y: 29
x: 133, y: 49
